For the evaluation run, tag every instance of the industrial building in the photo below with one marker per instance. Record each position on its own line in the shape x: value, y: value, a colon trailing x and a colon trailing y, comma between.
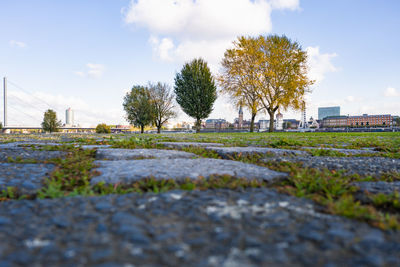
x: 358, y: 121
x: 324, y: 112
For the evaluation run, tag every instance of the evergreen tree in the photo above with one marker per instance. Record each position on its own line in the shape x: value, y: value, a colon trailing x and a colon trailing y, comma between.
x: 195, y: 90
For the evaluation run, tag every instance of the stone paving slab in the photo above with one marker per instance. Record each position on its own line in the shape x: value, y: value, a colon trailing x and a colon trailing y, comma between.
x: 225, y: 152
x: 26, y: 177
x: 188, y: 144
x: 386, y: 188
x: 94, y: 146
x: 126, y: 154
x: 345, y: 150
x: 363, y: 166
x: 26, y: 153
x: 128, y: 171
x: 28, y: 143
x: 256, y: 227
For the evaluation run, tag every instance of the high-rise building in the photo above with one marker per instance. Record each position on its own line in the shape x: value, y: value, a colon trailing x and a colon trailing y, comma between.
x: 69, y: 117
x: 324, y: 112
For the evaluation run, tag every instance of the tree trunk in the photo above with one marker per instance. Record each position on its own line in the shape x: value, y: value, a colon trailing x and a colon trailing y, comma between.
x: 198, y: 125
x: 271, y: 120
x: 159, y: 129
x: 141, y: 128
x: 253, y: 117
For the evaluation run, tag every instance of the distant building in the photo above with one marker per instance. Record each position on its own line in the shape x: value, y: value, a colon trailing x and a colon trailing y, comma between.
x: 291, y: 124
x: 240, y: 120
x: 358, y: 121
x: 69, y: 117
x: 324, y: 112
x: 370, y: 120
x: 279, y: 121
x: 264, y: 124
x: 312, y: 123
x: 240, y: 123
x: 216, y: 124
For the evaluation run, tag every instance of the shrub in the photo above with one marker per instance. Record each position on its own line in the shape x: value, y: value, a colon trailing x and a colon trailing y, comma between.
x: 103, y: 128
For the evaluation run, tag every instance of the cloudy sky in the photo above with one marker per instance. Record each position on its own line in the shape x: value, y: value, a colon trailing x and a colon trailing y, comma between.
x: 88, y: 54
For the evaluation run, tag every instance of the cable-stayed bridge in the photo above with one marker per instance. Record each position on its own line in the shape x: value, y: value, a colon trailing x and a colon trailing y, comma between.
x: 24, y: 110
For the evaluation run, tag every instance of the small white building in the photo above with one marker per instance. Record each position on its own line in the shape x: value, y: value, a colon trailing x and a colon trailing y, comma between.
x: 279, y: 121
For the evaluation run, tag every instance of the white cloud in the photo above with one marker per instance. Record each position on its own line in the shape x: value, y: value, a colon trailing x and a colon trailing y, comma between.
x: 18, y: 44
x: 391, y: 92
x: 162, y: 48
x: 285, y: 4
x: 93, y: 71
x: 184, y: 29
x: 319, y: 63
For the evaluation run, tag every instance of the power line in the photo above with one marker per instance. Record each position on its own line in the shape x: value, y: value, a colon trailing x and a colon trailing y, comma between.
x: 25, y: 103
x: 25, y: 114
x: 29, y: 93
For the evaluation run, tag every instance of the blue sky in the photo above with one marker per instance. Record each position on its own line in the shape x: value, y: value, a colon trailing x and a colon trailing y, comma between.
x: 88, y: 54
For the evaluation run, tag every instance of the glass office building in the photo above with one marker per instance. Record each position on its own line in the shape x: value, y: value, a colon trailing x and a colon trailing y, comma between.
x: 327, y: 112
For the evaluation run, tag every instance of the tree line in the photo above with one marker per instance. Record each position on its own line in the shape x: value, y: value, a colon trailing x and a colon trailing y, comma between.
x: 258, y: 73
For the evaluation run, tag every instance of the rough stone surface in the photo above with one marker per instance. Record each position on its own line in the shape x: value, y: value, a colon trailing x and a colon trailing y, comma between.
x: 256, y: 227
x: 125, y: 154
x: 28, y: 143
x: 26, y: 153
x: 363, y: 166
x: 386, y: 188
x: 225, y: 152
x: 26, y: 177
x: 94, y: 146
x: 128, y: 171
x: 188, y: 144
x: 345, y: 150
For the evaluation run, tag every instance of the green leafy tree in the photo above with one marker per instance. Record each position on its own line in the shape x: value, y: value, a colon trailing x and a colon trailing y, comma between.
x: 50, y: 122
x: 163, y: 104
x: 103, y: 128
x: 195, y: 90
x: 1, y: 125
x: 139, y: 107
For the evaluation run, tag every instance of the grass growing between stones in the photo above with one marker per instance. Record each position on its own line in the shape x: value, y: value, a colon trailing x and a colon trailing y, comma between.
x: 153, y: 185
x: 329, y: 188
x: 333, y: 190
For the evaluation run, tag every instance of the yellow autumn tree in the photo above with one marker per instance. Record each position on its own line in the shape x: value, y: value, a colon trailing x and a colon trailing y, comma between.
x: 266, y: 73
x: 282, y: 75
x: 238, y: 77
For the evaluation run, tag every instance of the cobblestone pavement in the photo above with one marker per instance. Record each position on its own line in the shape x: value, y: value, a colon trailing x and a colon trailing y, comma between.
x: 14, y: 153
x: 252, y: 227
x: 126, y: 154
x: 226, y: 152
x: 199, y: 228
x: 26, y: 177
x: 189, y: 144
x: 364, y: 166
x: 379, y: 187
x: 128, y: 171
